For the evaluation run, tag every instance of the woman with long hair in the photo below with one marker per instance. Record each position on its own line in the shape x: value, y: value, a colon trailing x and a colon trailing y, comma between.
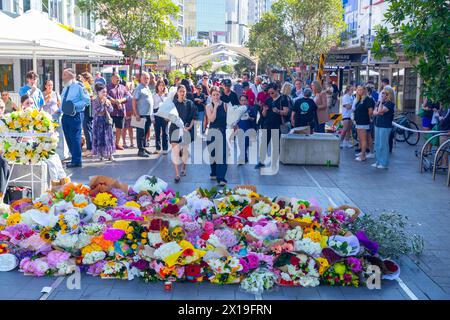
x: 160, y: 124
x: 216, y: 112
x: 180, y: 140
x: 103, y: 143
x: 384, y: 115
x: 347, y: 103
x: 321, y: 100
x: 363, y: 109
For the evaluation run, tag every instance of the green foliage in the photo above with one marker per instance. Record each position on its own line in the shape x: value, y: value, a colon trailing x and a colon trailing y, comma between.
x: 297, y: 31
x: 195, y: 43
x: 173, y: 74
x: 143, y: 26
x: 388, y: 229
x: 243, y: 64
x: 227, y: 69
x: 207, y: 66
x: 422, y: 30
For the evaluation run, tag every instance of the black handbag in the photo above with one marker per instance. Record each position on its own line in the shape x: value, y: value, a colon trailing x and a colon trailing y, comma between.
x: 68, y: 107
x: 14, y: 193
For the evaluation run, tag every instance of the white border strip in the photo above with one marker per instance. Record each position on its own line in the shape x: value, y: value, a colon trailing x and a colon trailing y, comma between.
x: 54, y: 285
x: 403, y: 285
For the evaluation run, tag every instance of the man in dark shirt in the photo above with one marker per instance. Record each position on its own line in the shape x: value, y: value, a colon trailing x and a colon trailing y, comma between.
x: 228, y: 95
x: 304, y: 112
x: 274, y: 112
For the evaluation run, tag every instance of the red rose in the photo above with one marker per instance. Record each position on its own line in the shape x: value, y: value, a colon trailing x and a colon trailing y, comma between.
x: 294, y: 261
x: 205, y: 236
x: 188, y: 252
x: 246, y: 212
x: 170, y: 209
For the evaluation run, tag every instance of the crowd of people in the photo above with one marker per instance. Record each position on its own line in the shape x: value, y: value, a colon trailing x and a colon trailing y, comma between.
x: 102, y: 116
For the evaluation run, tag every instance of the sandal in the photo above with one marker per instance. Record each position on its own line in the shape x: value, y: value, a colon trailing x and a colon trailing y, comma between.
x: 183, y: 173
x: 177, y: 179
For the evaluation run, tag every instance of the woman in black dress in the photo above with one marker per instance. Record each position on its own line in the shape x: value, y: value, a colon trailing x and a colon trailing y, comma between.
x: 216, y: 112
x: 180, y: 140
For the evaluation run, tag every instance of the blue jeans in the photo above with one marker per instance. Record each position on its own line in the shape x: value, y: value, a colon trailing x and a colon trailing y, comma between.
x: 201, y: 117
x: 72, y: 133
x: 161, y: 133
x: 219, y: 170
x: 382, y: 145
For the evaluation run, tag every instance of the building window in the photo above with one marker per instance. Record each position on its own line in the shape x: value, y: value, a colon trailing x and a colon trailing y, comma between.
x: 6, y: 77
x: 26, y: 5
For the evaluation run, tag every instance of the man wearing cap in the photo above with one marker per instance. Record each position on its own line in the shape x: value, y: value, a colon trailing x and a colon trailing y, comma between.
x: 228, y: 95
x: 246, y: 78
x: 249, y: 93
x: 99, y: 79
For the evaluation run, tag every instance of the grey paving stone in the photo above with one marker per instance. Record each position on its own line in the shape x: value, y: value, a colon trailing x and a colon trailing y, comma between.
x: 96, y: 291
x: 128, y: 293
x: 28, y: 295
x: 66, y: 295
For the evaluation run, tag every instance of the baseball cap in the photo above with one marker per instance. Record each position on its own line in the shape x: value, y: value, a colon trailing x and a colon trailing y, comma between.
x: 245, y: 84
x: 227, y: 82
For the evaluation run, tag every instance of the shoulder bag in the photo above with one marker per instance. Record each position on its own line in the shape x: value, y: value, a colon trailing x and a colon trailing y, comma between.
x: 67, y: 106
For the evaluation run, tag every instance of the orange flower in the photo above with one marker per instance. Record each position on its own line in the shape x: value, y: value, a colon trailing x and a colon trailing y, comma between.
x: 77, y: 188
x: 104, y: 244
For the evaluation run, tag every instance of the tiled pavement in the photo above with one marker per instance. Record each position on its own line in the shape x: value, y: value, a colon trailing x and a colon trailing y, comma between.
x: 401, y: 188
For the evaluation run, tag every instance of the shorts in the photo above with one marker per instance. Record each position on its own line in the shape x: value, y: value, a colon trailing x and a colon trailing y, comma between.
x: 426, y: 123
x: 118, y: 121
x: 363, y: 127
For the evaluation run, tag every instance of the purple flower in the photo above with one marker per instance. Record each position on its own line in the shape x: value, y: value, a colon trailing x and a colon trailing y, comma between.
x: 226, y: 237
x: 370, y: 245
x: 355, y: 264
x: 141, y: 264
x: 245, y: 266
x: 120, y: 195
x: 253, y: 260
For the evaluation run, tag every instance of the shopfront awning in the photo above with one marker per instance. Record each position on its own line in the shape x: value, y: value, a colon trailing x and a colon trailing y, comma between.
x: 33, y: 35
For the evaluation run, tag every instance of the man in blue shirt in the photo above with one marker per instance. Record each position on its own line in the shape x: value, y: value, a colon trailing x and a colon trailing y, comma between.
x: 99, y: 78
x: 72, y: 124
x: 32, y: 90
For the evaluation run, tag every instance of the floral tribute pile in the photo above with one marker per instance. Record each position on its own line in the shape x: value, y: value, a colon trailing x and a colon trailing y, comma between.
x: 27, y: 136
x: 148, y: 231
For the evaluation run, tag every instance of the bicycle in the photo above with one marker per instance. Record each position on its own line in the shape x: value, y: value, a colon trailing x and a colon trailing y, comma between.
x: 401, y: 135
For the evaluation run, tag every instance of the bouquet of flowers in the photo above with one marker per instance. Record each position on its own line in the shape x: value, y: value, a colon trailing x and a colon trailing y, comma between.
x: 297, y: 270
x: 105, y: 200
x: 225, y: 270
x: 152, y: 185
x: 116, y: 270
x: 259, y: 281
x: 344, y: 245
x: 343, y: 273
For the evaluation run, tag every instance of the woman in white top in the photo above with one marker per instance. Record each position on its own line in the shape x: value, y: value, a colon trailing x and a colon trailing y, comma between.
x: 347, y: 103
x: 160, y: 124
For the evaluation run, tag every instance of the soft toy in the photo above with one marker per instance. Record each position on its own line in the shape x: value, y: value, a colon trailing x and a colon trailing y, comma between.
x: 100, y: 184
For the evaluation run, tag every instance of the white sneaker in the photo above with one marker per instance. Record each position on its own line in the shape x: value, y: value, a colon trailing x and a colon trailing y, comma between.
x: 370, y: 156
x: 375, y: 165
x: 348, y: 144
x: 381, y: 167
x: 358, y: 154
x: 359, y: 159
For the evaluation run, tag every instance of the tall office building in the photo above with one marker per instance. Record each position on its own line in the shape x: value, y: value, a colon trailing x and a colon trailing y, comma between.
x: 210, y: 20
x: 190, y: 20
x: 256, y: 8
x: 178, y: 20
x: 237, y: 21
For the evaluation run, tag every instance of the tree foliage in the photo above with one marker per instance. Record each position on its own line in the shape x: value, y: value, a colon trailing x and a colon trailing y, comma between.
x: 297, y: 31
x: 142, y: 26
x: 421, y: 30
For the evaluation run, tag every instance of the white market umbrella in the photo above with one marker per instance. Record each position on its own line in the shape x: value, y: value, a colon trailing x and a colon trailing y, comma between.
x: 371, y: 73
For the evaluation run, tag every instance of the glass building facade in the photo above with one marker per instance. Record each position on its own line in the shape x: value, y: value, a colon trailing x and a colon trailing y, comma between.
x: 211, y: 16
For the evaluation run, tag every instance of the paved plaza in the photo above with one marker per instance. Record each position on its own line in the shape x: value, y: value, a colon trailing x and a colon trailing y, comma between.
x: 401, y: 188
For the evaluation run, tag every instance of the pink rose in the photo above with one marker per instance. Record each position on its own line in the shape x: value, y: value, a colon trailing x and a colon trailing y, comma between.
x: 112, y: 234
x: 55, y: 257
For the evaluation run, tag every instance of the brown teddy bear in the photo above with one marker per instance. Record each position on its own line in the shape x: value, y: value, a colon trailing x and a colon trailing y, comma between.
x: 100, y: 184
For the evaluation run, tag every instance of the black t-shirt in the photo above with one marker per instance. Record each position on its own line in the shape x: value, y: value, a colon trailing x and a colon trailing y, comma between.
x: 385, y: 120
x: 305, y: 112
x: 231, y: 98
x: 200, y: 106
x: 272, y: 119
x: 362, y: 117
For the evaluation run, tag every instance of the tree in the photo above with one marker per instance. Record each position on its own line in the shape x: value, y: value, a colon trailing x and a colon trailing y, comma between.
x: 421, y: 30
x: 297, y: 31
x: 143, y: 26
x: 243, y: 64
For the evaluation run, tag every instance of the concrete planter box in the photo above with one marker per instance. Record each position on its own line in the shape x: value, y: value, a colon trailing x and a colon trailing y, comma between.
x: 320, y: 149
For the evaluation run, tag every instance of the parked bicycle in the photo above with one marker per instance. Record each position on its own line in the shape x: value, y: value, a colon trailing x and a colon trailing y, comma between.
x: 401, y: 135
